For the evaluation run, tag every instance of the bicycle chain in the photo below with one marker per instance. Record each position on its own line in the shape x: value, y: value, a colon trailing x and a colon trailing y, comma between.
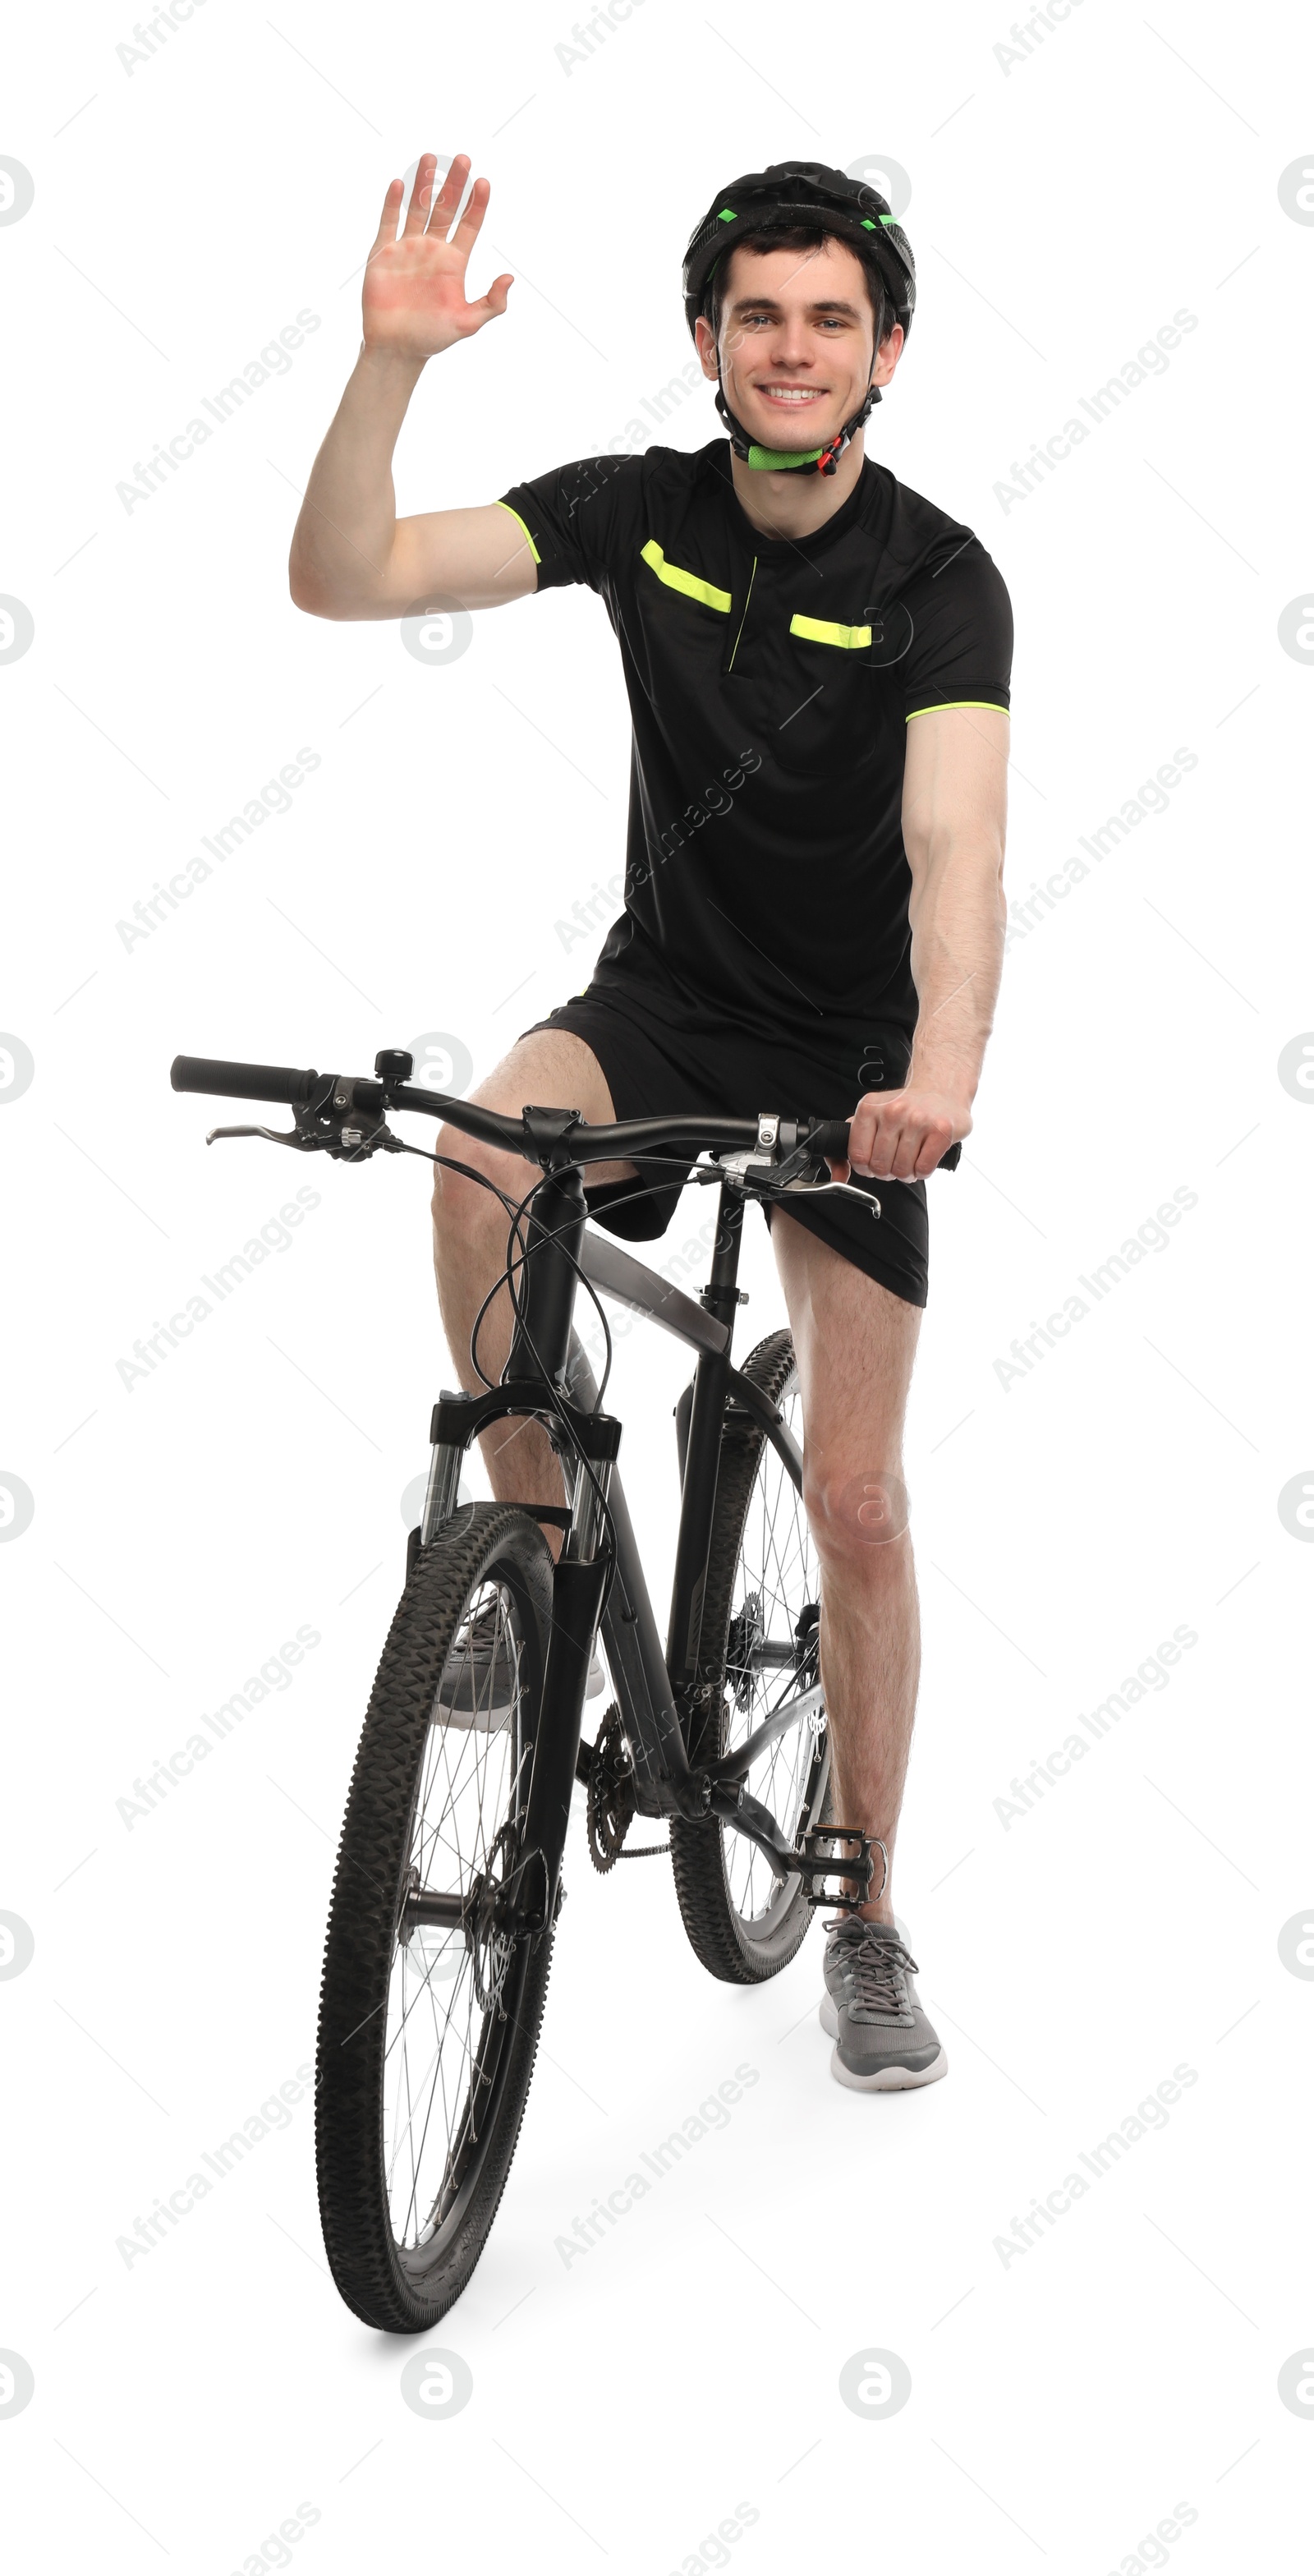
x: 610, y: 1799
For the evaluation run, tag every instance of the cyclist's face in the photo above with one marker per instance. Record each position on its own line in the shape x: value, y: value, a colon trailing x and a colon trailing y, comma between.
x: 796, y: 349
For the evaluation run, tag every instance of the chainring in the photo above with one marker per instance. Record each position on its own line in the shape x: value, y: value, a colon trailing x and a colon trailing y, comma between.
x: 609, y: 1804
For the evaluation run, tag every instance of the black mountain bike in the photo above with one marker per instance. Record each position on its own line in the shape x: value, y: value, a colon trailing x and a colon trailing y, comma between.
x: 448, y: 1883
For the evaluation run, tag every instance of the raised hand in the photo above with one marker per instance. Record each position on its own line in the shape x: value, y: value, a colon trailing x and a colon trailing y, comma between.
x: 414, y: 299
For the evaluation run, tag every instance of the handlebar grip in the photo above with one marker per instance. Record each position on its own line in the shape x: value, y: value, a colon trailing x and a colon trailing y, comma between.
x: 281, y: 1082
x: 830, y: 1137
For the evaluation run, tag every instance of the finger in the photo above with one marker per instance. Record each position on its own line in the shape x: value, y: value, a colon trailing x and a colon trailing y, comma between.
x: 907, y: 1151
x: 391, y: 208
x: 494, y: 302
x: 864, y: 1134
x: 418, y: 209
x: 467, y: 231
x: 934, y: 1145
x: 921, y: 1146
x: 886, y: 1146
x: 449, y: 196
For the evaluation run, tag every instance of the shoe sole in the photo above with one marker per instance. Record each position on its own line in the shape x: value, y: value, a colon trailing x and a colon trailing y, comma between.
x: 473, y: 1721
x: 491, y: 1715
x: 886, y: 2079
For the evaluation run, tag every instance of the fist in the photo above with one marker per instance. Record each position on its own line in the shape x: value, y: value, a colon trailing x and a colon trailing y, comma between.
x: 901, y: 1135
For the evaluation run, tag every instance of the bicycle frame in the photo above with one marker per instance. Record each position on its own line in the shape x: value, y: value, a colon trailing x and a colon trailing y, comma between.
x: 598, y: 1577
x: 549, y: 1376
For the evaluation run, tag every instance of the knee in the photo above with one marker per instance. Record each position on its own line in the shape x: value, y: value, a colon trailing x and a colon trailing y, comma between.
x: 464, y: 1203
x: 859, y: 1521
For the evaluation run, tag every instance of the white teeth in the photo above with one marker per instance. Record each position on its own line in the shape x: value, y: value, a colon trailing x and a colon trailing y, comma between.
x: 791, y: 393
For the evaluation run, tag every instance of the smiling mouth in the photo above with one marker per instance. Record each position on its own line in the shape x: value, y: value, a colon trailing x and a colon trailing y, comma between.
x: 793, y: 397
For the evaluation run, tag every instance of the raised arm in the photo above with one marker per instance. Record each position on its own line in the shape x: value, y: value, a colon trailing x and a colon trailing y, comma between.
x: 352, y: 557
x: 954, y: 807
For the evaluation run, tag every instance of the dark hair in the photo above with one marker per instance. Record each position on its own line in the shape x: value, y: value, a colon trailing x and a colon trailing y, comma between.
x: 801, y: 237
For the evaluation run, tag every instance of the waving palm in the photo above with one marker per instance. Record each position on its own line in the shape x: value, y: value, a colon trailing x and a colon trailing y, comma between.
x: 414, y: 300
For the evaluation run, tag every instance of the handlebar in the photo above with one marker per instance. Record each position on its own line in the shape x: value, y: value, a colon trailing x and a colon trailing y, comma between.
x: 627, y: 1140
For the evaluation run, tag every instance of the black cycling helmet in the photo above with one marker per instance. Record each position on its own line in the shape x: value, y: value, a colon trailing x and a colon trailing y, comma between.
x: 776, y: 199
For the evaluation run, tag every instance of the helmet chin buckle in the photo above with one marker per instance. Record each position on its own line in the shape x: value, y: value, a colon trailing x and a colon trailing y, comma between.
x: 773, y: 460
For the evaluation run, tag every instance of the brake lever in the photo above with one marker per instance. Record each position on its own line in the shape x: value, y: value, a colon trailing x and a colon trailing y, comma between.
x: 825, y: 1190
x: 348, y: 1143
x: 274, y: 1136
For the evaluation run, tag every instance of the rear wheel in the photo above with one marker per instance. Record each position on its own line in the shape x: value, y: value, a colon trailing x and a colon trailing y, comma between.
x: 430, y: 2006
x: 758, y: 1650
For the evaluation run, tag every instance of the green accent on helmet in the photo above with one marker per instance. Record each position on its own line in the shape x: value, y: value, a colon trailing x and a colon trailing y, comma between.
x: 806, y: 192
x: 775, y: 460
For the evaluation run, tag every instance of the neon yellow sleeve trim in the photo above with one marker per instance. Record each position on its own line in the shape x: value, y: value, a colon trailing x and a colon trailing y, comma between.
x: 688, y: 582
x: 816, y: 630
x: 944, y: 706
x: 515, y: 514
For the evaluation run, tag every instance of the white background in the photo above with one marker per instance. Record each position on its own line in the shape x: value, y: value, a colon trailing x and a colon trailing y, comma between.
x: 1064, y: 205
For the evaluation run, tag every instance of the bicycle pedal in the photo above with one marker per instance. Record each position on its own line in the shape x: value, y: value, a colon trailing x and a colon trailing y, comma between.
x: 819, y: 1865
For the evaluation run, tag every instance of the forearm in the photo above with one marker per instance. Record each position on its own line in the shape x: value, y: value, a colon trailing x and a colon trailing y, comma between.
x: 957, y: 915
x: 344, y: 538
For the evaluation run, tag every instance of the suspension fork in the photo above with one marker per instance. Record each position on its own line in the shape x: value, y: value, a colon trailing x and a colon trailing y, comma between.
x: 579, y: 1581
x: 540, y: 1343
x: 703, y: 1453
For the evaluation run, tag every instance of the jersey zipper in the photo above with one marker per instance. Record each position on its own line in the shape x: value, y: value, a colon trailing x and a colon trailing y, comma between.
x: 744, y: 619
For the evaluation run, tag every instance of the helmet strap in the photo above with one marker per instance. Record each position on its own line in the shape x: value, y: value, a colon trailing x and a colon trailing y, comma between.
x: 774, y: 460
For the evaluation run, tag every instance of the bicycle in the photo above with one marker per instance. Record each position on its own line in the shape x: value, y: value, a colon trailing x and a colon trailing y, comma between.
x: 448, y: 1883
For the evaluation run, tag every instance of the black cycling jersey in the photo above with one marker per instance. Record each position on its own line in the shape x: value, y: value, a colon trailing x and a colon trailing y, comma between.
x: 770, y: 684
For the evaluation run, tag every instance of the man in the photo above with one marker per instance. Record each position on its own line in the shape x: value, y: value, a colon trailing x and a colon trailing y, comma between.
x: 818, y: 664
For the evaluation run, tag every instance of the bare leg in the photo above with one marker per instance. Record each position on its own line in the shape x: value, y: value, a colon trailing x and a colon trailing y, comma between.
x: 855, y: 1345
x: 551, y: 1069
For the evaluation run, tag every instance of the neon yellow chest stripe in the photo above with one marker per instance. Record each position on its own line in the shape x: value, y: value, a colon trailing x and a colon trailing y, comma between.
x: 688, y: 582
x: 816, y: 630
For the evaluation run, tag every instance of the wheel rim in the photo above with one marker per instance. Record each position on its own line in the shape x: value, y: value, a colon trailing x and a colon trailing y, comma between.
x: 453, y: 1988
x: 776, y: 1580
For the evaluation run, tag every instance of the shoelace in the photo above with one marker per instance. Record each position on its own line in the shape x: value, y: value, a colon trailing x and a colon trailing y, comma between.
x: 478, y: 1633
x: 875, y: 1966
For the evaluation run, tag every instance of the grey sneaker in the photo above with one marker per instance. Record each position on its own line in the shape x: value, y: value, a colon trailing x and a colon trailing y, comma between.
x: 883, y: 2040
x: 480, y: 1678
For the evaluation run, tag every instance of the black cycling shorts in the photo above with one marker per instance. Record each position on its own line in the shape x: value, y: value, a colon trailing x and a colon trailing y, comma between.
x: 651, y: 1066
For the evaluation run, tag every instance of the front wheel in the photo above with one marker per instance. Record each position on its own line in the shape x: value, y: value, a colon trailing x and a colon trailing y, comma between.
x: 430, y: 2008
x: 759, y: 1650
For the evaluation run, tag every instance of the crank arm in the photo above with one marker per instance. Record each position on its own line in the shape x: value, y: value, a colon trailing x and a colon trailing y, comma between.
x: 736, y: 1806
x: 806, y: 1859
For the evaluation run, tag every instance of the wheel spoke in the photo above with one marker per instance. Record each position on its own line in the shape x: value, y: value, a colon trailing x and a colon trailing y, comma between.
x: 775, y: 1580
x: 437, y: 2047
